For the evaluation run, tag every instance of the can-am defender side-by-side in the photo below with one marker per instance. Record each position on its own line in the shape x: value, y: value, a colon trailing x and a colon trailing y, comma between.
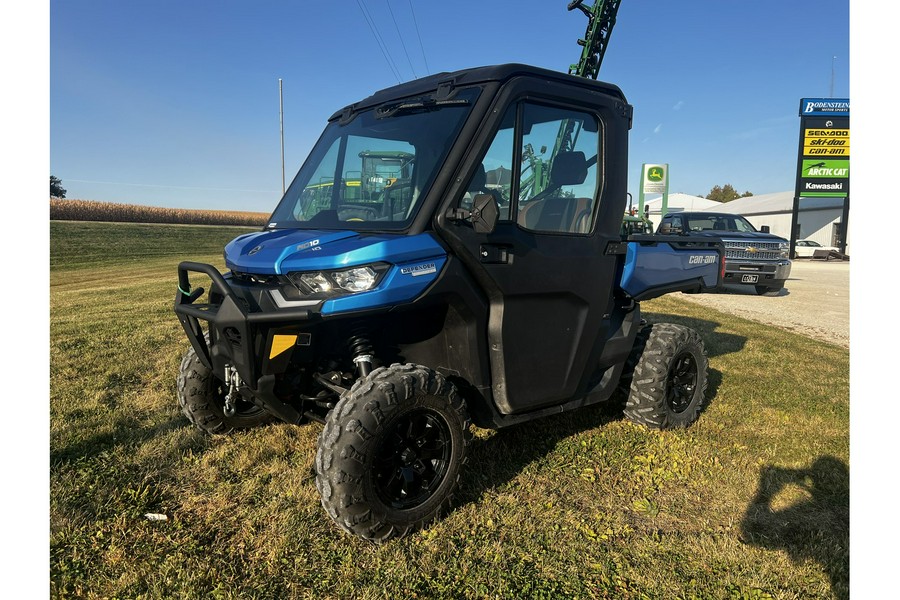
x: 415, y: 279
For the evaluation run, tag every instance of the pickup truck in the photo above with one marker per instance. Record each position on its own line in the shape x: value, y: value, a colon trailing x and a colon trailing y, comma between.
x: 752, y: 257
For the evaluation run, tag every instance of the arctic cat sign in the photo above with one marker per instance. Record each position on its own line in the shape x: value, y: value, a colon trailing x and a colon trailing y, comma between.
x: 823, y: 165
x: 829, y: 176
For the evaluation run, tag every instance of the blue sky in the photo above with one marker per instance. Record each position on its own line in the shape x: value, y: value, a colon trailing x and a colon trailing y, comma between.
x: 176, y: 103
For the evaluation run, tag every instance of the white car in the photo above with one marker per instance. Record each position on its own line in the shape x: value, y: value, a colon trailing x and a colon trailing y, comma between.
x: 806, y: 248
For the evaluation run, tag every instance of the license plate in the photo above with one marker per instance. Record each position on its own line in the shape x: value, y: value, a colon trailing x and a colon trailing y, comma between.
x: 749, y: 278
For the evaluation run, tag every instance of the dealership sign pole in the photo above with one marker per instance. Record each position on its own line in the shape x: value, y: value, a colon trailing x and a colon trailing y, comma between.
x: 823, y: 161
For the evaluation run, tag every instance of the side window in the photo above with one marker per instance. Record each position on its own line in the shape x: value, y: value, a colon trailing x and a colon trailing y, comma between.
x: 676, y: 222
x: 494, y: 175
x: 559, y: 178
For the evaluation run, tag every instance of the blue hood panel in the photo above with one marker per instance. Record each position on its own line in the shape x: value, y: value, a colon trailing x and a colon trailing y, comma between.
x: 282, y: 251
x: 416, y: 261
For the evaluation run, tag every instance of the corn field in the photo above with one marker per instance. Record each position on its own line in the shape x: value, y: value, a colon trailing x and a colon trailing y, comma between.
x: 88, y: 210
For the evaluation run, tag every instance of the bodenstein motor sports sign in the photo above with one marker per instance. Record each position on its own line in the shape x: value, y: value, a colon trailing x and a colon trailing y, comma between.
x: 824, y: 156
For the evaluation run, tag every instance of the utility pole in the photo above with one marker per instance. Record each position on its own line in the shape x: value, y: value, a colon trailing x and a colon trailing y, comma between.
x: 831, y: 89
x: 281, y: 123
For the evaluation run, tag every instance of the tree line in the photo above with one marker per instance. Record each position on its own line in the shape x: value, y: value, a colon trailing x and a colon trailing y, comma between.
x: 725, y: 193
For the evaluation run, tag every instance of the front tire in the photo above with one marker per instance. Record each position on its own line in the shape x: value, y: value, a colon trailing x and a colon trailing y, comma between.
x: 668, y: 389
x: 391, y: 453
x: 201, y: 396
x: 765, y: 290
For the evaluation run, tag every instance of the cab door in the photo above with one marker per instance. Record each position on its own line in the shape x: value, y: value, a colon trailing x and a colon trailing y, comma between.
x: 549, y: 163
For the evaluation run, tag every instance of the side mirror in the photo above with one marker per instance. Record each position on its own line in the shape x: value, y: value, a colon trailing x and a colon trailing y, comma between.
x: 485, y: 213
x: 669, y: 229
x: 764, y: 229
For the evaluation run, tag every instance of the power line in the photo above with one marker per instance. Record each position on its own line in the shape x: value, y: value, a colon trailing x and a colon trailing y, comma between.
x: 399, y: 35
x: 427, y: 70
x: 384, y: 51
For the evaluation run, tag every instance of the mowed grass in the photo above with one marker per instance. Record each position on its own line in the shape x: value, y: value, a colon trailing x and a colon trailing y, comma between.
x: 750, y: 502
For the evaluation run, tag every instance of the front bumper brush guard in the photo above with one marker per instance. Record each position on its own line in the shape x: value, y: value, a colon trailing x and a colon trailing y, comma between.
x: 231, y: 326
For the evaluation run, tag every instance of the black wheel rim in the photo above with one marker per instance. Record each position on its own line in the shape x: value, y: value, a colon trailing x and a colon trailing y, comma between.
x: 681, y: 382
x: 413, y: 459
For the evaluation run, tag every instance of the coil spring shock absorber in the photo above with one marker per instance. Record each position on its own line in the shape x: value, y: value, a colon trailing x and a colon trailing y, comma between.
x: 361, y: 349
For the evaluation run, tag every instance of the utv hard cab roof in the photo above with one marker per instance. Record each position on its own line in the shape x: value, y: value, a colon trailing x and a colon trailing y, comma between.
x: 474, y: 76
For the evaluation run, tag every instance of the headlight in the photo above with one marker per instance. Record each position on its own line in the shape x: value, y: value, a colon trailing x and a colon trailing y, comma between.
x: 784, y: 249
x: 359, y: 279
x: 327, y: 284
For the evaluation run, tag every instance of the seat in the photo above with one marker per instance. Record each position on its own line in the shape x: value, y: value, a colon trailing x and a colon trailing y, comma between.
x: 562, y: 214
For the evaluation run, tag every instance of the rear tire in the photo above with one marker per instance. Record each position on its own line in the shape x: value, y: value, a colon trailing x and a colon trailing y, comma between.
x: 391, y: 453
x: 668, y: 389
x: 201, y: 396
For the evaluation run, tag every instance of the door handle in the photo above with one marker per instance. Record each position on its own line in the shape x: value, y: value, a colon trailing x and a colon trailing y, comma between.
x: 495, y: 253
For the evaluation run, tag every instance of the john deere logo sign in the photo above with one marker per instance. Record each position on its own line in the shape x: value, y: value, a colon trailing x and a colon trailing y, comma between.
x: 655, y: 179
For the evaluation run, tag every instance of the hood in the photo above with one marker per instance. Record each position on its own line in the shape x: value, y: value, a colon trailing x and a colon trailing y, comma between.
x: 740, y: 235
x: 284, y: 250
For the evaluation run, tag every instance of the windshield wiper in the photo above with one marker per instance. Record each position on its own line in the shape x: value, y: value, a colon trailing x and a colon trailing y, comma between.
x: 391, y: 110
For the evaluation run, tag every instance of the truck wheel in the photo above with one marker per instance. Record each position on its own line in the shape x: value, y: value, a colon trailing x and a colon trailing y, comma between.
x: 391, y: 452
x: 668, y: 389
x: 765, y: 290
x: 201, y: 396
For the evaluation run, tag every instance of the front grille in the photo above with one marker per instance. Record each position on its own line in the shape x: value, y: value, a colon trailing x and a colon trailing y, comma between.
x: 255, y: 278
x: 750, y: 250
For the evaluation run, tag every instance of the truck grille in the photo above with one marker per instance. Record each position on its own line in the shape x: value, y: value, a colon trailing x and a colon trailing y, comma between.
x: 750, y: 250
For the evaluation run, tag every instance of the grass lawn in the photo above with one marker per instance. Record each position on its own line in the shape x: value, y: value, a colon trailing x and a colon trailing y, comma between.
x: 750, y: 502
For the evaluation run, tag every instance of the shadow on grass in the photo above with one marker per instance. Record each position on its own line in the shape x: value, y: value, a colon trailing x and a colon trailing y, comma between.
x: 717, y: 343
x: 734, y: 289
x: 814, y: 527
x: 125, y: 432
x: 503, y: 456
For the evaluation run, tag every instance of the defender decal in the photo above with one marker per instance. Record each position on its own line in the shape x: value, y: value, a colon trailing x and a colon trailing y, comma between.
x: 426, y: 269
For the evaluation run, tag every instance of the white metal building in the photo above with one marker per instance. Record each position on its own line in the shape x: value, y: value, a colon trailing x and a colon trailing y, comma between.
x: 819, y: 218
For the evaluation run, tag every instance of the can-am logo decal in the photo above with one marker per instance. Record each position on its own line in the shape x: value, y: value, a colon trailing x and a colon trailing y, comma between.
x: 254, y: 250
x: 417, y: 270
x: 702, y: 259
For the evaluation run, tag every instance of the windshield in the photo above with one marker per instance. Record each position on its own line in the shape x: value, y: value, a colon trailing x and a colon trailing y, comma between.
x: 719, y: 223
x: 372, y: 172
